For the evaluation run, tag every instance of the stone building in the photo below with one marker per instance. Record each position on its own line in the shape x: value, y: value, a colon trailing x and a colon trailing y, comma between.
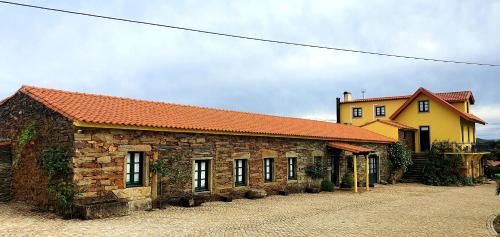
x: 114, y: 141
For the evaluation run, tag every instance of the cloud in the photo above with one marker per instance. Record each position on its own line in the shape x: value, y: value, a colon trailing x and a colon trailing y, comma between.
x: 93, y: 55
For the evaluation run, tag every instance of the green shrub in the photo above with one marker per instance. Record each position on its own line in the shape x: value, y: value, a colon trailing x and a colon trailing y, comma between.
x: 441, y: 170
x: 56, y: 164
x: 469, y: 181
x: 327, y: 186
x: 400, y: 158
x: 317, y: 170
x: 347, y: 181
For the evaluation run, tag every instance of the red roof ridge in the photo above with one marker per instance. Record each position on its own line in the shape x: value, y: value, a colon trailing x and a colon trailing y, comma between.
x: 399, y: 97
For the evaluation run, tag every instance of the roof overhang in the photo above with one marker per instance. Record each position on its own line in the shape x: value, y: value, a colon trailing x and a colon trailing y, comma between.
x: 350, y: 148
x: 176, y: 130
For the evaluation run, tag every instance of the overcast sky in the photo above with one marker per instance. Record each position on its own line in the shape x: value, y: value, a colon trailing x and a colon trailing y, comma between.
x: 97, y: 56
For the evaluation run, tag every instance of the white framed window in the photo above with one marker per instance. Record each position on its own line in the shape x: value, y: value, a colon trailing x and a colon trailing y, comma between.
x: 134, y: 169
x: 201, y: 175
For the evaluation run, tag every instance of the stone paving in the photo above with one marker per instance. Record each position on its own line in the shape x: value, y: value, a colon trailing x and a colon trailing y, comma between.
x: 393, y: 210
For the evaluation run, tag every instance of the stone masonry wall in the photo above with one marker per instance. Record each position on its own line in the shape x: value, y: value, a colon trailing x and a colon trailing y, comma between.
x: 383, y: 163
x: 100, y: 156
x: 28, y: 182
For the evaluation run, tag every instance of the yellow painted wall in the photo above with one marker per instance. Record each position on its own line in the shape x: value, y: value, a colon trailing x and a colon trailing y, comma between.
x: 384, y: 129
x: 462, y: 106
x: 443, y: 123
x: 468, y: 132
x: 368, y: 111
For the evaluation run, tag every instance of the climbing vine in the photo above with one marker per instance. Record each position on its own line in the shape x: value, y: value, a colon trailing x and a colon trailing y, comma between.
x: 400, y: 158
x: 172, y: 168
x: 56, y: 164
x: 27, y: 135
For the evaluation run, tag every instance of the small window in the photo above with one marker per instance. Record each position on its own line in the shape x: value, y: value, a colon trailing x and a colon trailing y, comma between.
x: 357, y: 112
x: 134, y: 169
x: 467, y: 106
x: 423, y: 106
x: 379, y: 110
x: 292, y: 168
x: 318, y: 159
x: 240, y: 172
x: 201, y: 175
x: 268, y: 169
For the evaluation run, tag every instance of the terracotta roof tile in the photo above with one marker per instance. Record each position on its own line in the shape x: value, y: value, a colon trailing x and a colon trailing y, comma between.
x: 350, y: 148
x: 391, y: 123
x: 107, y: 110
x: 450, y: 97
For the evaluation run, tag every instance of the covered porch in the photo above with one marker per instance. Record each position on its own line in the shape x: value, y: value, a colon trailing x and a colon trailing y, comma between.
x: 358, y: 161
x: 473, y: 163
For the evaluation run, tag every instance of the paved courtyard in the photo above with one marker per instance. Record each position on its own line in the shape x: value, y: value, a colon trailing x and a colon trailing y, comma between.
x: 393, y: 210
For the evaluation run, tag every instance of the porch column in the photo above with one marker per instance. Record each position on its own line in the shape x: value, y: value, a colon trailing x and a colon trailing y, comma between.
x: 367, y: 168
x: 355, y: 173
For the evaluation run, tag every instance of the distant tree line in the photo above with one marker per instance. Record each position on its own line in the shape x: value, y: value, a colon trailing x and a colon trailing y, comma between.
x: 492, y: 146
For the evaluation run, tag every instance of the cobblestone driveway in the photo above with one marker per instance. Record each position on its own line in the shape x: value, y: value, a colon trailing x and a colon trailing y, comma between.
x: 395, y: 210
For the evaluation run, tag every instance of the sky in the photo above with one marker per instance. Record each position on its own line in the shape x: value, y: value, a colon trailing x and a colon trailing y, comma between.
x: 77, y: 53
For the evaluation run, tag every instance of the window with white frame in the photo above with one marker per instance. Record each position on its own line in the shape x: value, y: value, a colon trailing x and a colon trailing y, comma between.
x: 134, y: 169
x: 201, y: 175
x: 380, y: 111
x: 357, y: 112
x: 423, y: 106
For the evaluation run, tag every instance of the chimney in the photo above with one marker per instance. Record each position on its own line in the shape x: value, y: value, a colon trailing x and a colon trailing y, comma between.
x: 347, y: 96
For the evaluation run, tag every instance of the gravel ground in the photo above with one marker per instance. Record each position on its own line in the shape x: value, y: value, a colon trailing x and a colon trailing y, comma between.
x: 394, y: 210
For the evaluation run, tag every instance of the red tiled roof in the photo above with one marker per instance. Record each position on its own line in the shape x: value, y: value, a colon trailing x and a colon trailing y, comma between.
x: 391, y: 123
x: 107, y: 110
x: 421, y: 90
x: 450, y: 97
x: 350, y: 148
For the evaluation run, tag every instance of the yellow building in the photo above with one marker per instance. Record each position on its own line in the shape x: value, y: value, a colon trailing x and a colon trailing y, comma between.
x: 416, y: 120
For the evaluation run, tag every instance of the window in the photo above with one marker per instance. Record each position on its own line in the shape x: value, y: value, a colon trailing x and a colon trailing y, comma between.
x: 134, y: 169
x: 317, y: 159
x: 467, y: 106
x: 268, y: 169
x: 292, y: 168
x: 423, y: 106
x: 357, y: 112
x: 201, y: 174
x: 379, y: 110
x: 240, y: 172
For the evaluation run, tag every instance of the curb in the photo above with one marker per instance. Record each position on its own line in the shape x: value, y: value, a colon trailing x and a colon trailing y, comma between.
x: 489, y: 225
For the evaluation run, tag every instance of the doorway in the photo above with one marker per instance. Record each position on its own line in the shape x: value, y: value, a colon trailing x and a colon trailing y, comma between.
x: 373, y: 170
x: 425, y: 138
x: 5, y: 173
x: 335, y: 164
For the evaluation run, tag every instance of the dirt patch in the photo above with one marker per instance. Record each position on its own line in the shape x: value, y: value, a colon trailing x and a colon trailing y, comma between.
x: 496, y: 224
